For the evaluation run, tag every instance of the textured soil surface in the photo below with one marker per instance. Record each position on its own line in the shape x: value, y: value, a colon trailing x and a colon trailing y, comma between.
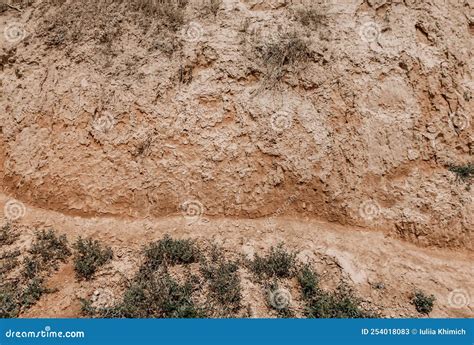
x: 251, y: 123
x: 384, y: 271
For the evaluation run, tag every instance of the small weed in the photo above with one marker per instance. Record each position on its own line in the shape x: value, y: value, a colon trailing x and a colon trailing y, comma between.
x: 289, y: 51
x: 49, y: 248
x: 463, y: 172
x: 170, y: 251
x: 310, y: 17
x: 20, y: 292
x: 339, y: 304
x: 422, y: 302
x: 278, y: 263
x: 89, y: 257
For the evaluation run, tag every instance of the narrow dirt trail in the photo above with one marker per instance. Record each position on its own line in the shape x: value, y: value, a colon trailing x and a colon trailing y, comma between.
x: 365, y: 258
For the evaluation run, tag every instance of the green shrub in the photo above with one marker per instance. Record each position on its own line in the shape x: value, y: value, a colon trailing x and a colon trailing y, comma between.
x: 321, y: 304
x: 9, y: 306
x: 339, y: 304
x: 171, y: 252
x: 32, y: 293
x: 89, y: 257
x: 278, y: 263
x: 154, y: 295
x: 153, y: 292
x: 49, y: 248
x: 422, y: 302
x: 21, y: 292
x: 308, y: 281
x: 224, y: 282
x: 8, y: 261
x: 31, y: 268
x: 16, y: 297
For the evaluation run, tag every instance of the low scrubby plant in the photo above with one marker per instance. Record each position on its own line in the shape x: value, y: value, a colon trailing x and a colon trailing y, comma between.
x: 21, y: 290
x: 341, y: 303
x: 308, y: 281
x: 89, y: 256
x: 154, y: 295
x: 16, y: 297
x: 277, y: 263
x: 153, y: 292
x: 169, y: 251
x: 422, y: 302
x: 224, y: 281
x: 32, y: 292
x: 49, y: 248
x: 31, y: 268
x: 9, y: 306
x: 8, y: 261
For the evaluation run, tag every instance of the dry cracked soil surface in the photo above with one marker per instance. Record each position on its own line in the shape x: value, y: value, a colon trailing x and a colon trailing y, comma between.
x: 341, y: 129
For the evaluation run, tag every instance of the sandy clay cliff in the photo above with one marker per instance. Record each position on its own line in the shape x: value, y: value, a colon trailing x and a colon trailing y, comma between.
x: 355, y: 114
